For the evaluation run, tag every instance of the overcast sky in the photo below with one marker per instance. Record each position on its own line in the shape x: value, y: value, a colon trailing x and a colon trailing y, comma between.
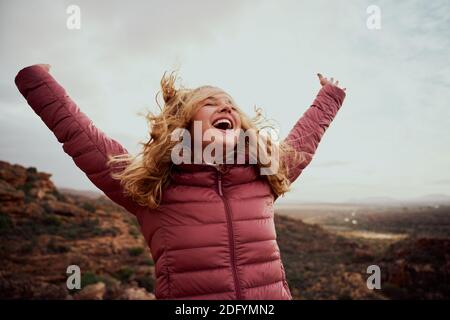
x: 391, y: 137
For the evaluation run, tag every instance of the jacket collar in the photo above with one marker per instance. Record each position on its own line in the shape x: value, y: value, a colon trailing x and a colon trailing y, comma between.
x: 207, y: 174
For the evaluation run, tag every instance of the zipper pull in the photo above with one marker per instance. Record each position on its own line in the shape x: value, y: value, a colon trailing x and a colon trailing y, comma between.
x: 219, y: 183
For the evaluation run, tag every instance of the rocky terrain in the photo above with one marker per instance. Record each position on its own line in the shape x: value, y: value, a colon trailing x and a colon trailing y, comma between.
x: 43, y: 230
x: 327, y: 250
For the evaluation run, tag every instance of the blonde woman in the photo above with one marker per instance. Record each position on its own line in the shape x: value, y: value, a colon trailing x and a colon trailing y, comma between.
x: 209, y: 226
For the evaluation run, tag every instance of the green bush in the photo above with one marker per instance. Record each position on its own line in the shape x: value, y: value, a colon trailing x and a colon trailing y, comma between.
x: 89, y: 207
x: 113, y: 231
x: 135, y: 251
x: 58, y: 195
x: 53, y: 247
x: 148, y: 262
x: 70, y: 233
x: 31, y: 170
x: 47, y: 208
x: 146, y: 282
x: 5, y: 223
x: 134, y: 232
x: 31, y: 178
x: 132, y: 221
x: 26, y: 188
x: 51, y: 220
x: 89, y: 223
x: 88, y: 278
x: 28, y: 247
x: 28, y: 199
x: 124, y: 274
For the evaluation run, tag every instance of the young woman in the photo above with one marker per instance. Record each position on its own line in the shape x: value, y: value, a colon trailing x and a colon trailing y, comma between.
x: 210, y: 227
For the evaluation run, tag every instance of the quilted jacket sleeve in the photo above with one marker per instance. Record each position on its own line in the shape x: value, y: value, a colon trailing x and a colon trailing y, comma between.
x: 87, y: 145
x: 309, y: 129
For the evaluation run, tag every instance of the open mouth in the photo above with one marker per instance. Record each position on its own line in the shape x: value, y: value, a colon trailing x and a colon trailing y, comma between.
x: 223, y: 124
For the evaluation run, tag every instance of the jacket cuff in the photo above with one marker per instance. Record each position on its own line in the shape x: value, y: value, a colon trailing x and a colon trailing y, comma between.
x: 334, y: 92
x: 30, y: 78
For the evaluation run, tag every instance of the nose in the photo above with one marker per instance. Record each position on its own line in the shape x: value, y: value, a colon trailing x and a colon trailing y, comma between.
x: 225, y: 108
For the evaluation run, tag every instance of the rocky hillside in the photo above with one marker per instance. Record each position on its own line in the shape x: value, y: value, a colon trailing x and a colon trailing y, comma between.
x: 44, y: 230
x: 324, y: 265
x: 417, y: 269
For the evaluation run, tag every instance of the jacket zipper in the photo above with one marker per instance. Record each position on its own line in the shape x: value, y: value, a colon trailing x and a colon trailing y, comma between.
x: 230, y: 236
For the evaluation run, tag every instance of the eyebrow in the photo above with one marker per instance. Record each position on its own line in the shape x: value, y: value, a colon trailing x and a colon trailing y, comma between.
x: 210, y: 99
x: 215, y: 100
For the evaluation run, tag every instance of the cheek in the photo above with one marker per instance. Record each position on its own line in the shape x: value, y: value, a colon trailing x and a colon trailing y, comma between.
x: 202, y: 116
x: 238, y: 123
x: 199, y: 124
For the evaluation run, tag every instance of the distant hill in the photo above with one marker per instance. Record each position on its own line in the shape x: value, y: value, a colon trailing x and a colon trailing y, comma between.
x: 433, y: 198
x: 430, y: 199
x: 85, y: 193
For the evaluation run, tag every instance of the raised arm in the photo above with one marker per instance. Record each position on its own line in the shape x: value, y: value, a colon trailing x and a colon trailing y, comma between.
x: 309, y: 129
x: 87, y: 145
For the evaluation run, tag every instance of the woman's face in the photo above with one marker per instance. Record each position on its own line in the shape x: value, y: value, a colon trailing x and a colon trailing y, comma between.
x: 217, y: 116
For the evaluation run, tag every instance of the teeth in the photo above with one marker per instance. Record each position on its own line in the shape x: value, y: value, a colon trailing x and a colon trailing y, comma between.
x: 223, y: 121
x: 219, y: 121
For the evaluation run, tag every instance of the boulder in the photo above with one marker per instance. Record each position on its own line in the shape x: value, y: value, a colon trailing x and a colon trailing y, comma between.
x: 137, y: 294
x: 92, y: 292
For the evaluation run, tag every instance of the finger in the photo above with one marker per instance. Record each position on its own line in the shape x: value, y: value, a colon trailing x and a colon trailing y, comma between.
x: 332, y: 80
x: 337, y: 82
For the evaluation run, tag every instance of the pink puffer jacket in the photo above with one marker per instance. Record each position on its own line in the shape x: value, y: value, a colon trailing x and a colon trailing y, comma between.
x: 213, y: 237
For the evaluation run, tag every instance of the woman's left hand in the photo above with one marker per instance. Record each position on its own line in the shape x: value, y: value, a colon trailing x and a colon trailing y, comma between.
x: 324, y: 81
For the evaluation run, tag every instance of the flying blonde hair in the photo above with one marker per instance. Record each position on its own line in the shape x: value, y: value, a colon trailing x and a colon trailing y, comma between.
x: 145, y: 176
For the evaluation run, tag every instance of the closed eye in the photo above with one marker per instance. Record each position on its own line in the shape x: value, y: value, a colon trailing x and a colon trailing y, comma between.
x: 214, y: 104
